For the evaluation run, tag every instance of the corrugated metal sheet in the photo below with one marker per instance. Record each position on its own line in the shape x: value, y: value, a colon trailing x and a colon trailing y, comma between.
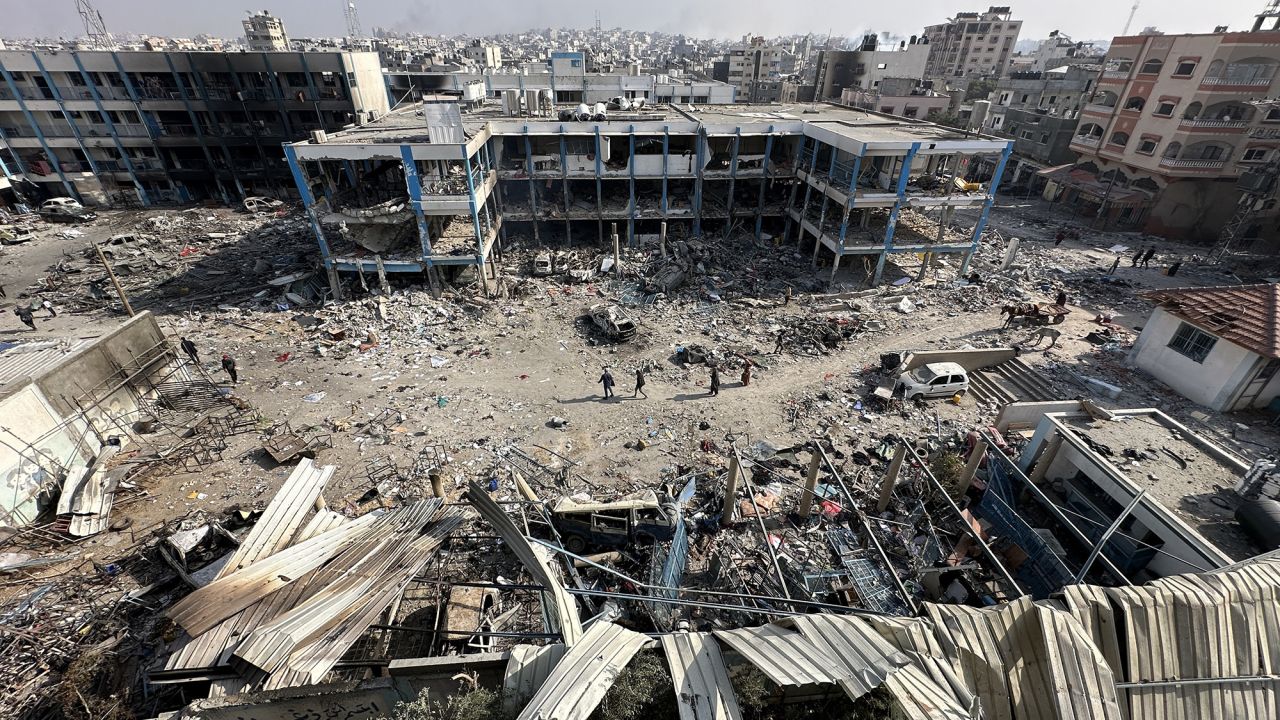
x: 1193, y: 646
x: 587, y: 671
x: 866, y: 657
x: 703, y: 690
x: 559, y: 607
x: 1027, y: 661
x: 353, y: 574
x: 207, y: 606
x: 784, y: 656
x: 284, y: 514
x: 527, y: 669
x: 922, y: 697
x: 34, y: 358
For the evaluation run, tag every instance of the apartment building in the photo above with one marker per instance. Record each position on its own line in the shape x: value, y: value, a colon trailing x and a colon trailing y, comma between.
x: 483, y: 55
x: 1040, y: 111
x: 752, y: 63
x: 263, y: 32
x: 972, y: 44
x: 905, y: 97
x: 865, y: 68
x: 162, y: 127
x: 438, y: 189
x: 1173, y: 123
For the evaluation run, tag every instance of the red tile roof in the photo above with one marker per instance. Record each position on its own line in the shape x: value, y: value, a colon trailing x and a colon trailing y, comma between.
x: 1247, y: 315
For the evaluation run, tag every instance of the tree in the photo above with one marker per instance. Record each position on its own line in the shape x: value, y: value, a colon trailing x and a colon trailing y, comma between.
x: 980, y: 89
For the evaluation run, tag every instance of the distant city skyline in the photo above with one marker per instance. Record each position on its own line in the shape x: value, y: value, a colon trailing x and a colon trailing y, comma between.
x: 721, y: 19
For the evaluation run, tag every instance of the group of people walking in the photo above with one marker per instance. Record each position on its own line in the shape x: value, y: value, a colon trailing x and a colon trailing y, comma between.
x: 228, y: 362
x: 607, y: 381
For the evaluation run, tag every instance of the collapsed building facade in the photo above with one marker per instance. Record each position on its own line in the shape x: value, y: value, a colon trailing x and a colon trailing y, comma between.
x: 435, y: 186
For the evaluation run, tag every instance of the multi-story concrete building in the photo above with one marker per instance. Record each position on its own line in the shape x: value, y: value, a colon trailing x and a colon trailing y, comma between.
x: 1040, y: 112
x: 904, y: 97
x: 752, y: 62
x: 157, y: 127
x: 1172, y: 124
x: 972, y: 44
x: 435, y: 189
x: 1055, y: 51
x: 263, y: 32
x: 865, y: 68
x: 483, y: 55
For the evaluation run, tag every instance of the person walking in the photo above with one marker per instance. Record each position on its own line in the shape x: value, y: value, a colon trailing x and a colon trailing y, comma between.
x: 1146, y: 259
x: 1137, y: 256
x: 715, y: 380
x: 746, y: 374
x: 1061, y: 300
x: 640, y: 385
x: 189, y: 348
x: 607, y: 381
x: 24, y: 314
x: 49, y: 307
x: 1057, y: 239
x: 229, y: 364
x: 782, y: 338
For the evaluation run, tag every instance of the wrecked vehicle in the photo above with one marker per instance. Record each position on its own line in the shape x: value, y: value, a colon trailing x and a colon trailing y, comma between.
x: 65, y: 209
x: 612, y: 321
x: 666, y: 279
x: 943, y: 379
x: 12, y: 235
x: 542, y: 265
x: 586, y: 525
x: 261, y: 204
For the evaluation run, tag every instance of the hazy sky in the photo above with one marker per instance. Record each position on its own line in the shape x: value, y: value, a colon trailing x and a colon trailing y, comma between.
x: 1080, y: 19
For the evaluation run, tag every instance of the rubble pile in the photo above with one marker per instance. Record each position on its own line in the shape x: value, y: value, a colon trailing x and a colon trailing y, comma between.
x: 175, y: 258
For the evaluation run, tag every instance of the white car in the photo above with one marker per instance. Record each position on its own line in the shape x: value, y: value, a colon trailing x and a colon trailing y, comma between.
x: 934, y: 380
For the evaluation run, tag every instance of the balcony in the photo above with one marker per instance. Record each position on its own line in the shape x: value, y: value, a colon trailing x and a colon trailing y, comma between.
x: 1099, y: 109
x: 1189, y: 164
x: 160, y: 93
x: 1215, y: 83
x: 1115, y: 74
x: 1209, y: 124
x: 1086, y: 140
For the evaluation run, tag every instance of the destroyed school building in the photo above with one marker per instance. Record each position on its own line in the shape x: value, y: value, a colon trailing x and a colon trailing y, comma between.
x: 434, y: 188
x: 152, y: 128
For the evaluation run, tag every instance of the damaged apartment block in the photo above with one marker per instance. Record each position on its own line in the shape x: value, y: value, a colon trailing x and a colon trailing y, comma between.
x: 435, y: 188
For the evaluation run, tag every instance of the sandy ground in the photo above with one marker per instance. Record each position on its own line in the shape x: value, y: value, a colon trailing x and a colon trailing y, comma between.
x: 510, y: 368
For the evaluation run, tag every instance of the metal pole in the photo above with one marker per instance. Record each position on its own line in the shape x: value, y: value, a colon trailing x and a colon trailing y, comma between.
x: 811, y: 482
x: 986, y: 549
x: 1115, y: 525
x: 773, y: 556
x: 124, y: 299
x: 730, y: 490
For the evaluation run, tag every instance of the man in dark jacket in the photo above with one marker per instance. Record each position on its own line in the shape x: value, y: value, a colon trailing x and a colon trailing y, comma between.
x: 189, y: 348
x: 715, y: 380
x: 607, y: 381
x: 229, y: 364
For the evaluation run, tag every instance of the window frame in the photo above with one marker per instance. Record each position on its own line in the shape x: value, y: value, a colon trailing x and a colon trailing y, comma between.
x: 1189, y: 341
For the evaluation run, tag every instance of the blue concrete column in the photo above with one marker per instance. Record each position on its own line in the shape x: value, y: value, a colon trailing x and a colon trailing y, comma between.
x: 115, y: 136
x: 35, y: 128
x: 903, y: 176
x: 764, y: 180
x: 413, y: 184
x: 986, y: 209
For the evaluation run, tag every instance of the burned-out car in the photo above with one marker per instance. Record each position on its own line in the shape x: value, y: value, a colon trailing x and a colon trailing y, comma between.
x: 592, y: 525
x: 612, y: 321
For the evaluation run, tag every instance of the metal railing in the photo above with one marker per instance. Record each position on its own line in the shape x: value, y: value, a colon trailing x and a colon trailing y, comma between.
x: 1100, y: 108
x: 1192, y: 163
x: 1086, y: 140
x: 1237, y: 82
x: 1210, y: 123
x: 1121, y: 74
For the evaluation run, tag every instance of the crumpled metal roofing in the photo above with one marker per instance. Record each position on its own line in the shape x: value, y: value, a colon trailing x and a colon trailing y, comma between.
x: 559, y: 606
x: 1193, y: 646
x: 1027, y: 661
x: 25, y: 360
x: 784, y: 656
x: 866, y: 658
x: 585, y: 673
x: 527, y: 669
x: 703, y: 690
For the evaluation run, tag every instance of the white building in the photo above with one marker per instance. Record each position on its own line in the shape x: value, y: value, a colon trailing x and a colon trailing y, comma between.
x: 1217, y: 346
x: 264, y: 32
